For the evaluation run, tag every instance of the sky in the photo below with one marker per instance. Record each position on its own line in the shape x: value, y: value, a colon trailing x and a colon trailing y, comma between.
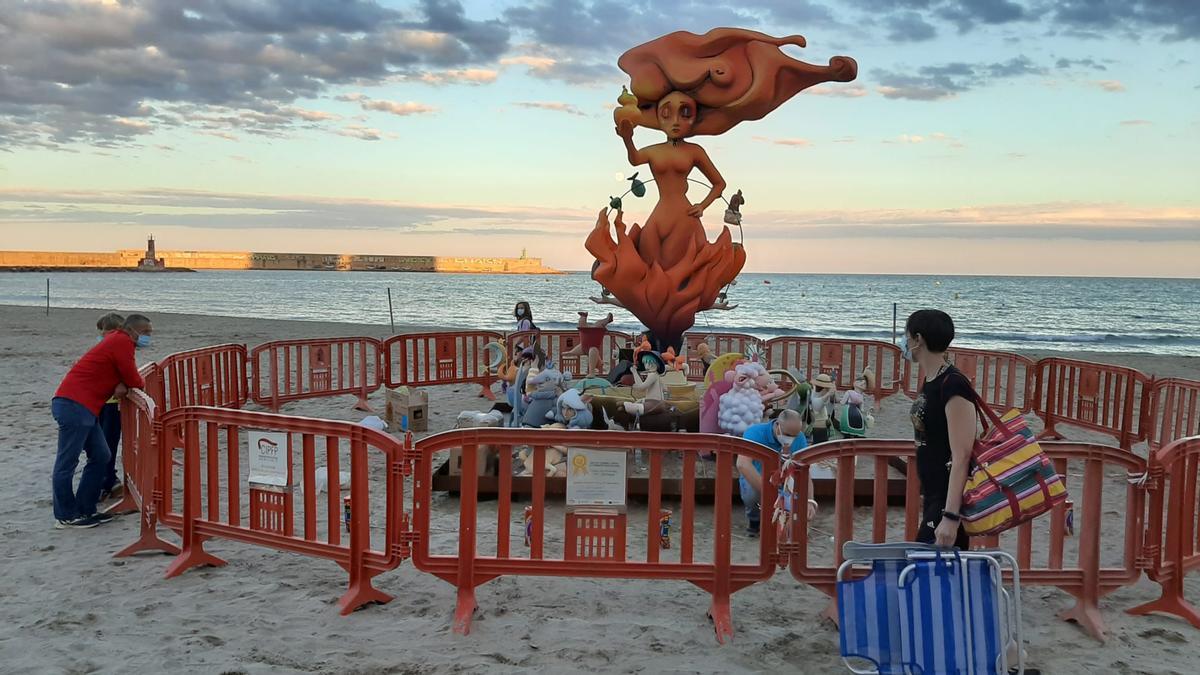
x: 1049, y: 137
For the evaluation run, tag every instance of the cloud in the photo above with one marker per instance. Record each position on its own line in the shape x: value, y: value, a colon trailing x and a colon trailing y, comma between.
x: 931, y: 83
x: 1111, y: 86
x: 73, y: 69
x: 1174, y: 20
x: 917, y: 139
x: 542, y: 64
x: 1136, y: 123
x: 791, y: 142
x: 360, y: 132
x: 226, y: 210
x: 397, y: 108
x: 840, y: 91
x: 557, y: 106
x: 909, y: 27
x: 1089, y: 62
x: 474, y: 76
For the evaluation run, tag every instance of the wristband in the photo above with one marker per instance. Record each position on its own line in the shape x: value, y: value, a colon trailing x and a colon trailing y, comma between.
x: 950, y: 515
x: 813, y: 502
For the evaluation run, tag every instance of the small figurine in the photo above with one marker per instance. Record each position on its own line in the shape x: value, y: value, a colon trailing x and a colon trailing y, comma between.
x: 528, y: 524
x: 820, y: 406
x: 648, y: 385
x: 664, y: 528
x: 547, y: 385
x: 591, y: 341
x: 742, y: 405
x: 733, y: 214
x: 573, y: 411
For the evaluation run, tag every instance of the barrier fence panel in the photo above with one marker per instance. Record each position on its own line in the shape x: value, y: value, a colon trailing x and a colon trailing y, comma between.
x: 1104, y: 557
x: 1173, y: 411
x: 843, y: 360
x: 1096, y: 396
x: 1172, y: 548
x: 428, y: 359
x: 599, y: 540
x: 258, y: 478
x: 140, y: 464
x: 292, y: 370
x: 213, y: 376
x: 1004, y: 381
x: 719, y: 343
x: 557, y: 342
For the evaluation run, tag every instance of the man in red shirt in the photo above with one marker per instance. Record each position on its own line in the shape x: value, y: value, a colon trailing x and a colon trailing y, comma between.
x: 106, y: 369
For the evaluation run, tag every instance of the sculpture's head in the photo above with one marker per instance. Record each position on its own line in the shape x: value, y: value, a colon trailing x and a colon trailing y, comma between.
x: 677, y: 115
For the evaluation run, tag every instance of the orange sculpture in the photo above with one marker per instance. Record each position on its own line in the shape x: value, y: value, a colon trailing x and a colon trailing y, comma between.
x: 684, y: 84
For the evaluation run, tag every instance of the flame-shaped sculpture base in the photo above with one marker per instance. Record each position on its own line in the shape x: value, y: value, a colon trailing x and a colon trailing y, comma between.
x: 665, y: 300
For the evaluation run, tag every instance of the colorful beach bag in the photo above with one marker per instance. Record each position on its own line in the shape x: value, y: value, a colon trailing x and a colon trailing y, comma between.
x: 1012, y: 480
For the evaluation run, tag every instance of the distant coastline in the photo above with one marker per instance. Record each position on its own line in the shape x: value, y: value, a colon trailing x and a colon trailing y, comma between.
x: 150, y: 260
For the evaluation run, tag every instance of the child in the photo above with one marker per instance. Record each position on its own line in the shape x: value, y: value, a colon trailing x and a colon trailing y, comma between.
x: 110, y: 417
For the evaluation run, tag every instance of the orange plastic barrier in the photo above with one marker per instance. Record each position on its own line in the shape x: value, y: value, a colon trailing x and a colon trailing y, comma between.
x: 555, y: 342
x: 217, y: 499
x: 1173, y: 411
x: 1173, y: 490
x: 595, y: 539
x: 140, y: 464
x: 1004, y: 380
x: 1087, y: 578
x: 213, y: 376
x: 1096, y: 396
x: 843, y: 360
x: 719, y: 343
x: 292, y: 370
x: 428, y: 359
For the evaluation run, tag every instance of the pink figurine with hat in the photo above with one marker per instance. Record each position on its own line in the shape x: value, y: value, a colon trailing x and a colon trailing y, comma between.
x: 821, y: 406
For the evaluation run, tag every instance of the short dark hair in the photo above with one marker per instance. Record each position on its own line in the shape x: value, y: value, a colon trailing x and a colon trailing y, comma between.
x: 136, y: 321
x: 110, y: 321
x: 934, y: 326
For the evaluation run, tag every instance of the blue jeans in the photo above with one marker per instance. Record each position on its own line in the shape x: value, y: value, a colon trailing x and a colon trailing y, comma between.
x: 750, y: 500
x: 110, y: 425
x: 78, y: 431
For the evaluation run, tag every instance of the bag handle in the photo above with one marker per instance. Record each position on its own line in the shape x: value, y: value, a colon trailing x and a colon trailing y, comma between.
x: 982, y: 409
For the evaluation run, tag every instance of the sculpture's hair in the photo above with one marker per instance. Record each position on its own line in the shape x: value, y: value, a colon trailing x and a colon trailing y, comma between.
x: 733, y: 74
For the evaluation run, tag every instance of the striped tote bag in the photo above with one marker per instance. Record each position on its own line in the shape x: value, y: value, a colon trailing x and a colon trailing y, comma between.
x: 1012, y: 480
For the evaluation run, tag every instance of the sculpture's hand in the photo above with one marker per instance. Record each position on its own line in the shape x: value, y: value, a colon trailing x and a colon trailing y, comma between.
x: 696, y: 211
x: 625, y: 130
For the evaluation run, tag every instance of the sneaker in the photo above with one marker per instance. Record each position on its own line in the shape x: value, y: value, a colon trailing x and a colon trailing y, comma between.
x: 752, y: 531
x: 76, y: 523
x: 101, y: 517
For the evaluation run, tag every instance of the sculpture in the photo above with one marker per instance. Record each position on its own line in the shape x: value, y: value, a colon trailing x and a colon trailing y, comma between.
x: 684, y: 84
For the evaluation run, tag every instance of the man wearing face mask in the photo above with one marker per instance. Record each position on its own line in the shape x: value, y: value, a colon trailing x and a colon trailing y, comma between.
x: 784, y: 433
x: 106, y: 369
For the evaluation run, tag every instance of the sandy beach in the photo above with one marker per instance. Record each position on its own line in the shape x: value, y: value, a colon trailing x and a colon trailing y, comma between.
x: 70, y: 607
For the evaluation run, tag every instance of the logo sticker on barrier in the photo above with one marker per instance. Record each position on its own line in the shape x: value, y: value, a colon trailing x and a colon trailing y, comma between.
x: 268, y: 452
x: 595, y: 477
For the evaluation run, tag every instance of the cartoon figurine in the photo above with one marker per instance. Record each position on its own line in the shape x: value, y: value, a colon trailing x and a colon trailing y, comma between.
x: 742, y: 405
x: 648, y: 385
x: 733, y: 214
x: 591, y: 341
x: 820, y: 406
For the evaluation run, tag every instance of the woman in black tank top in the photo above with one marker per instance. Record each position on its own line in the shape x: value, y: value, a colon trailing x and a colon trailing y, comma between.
x: 943, y: 418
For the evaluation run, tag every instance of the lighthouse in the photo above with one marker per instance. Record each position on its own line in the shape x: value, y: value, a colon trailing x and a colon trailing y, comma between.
x: 150, y: 262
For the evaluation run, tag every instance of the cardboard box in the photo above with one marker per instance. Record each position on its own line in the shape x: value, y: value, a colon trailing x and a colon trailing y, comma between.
x: 405, y: 402
x: 481, y: 461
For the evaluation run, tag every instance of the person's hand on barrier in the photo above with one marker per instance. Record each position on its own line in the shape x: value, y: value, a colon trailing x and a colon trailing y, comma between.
x: 812, y: 508
x: 120, y: 391
x: 946, y: 533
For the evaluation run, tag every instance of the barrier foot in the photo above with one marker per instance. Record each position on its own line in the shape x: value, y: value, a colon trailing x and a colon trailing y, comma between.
x: 464, y: 611
x: 830, y: 612
x: 721, y: 618
x: 147, y: 542
x: 363, y: 406
x: 360, y: 595
x: 1087, y: 615
x: 487, y: 392
x: 1173, y: 605
x: 192, y: 556
x: 126, y: 505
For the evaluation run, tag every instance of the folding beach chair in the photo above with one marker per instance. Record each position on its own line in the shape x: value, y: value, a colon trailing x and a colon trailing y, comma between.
x: 926, y: 611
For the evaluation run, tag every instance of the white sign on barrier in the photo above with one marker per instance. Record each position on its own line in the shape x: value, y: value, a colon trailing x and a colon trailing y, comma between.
x: 595, y: 477
x: 268, y: 457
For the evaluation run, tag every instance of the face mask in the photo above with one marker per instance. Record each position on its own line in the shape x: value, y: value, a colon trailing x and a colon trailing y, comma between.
x: 520, y: 311
x: 905, y: 351
x: 785, y: 441
x: 143, y: 341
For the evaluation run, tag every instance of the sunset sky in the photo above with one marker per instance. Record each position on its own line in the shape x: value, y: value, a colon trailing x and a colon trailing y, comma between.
x: 981, y: 136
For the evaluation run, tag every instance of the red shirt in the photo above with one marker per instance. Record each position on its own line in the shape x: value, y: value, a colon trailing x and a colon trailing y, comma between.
x: 92, y: 379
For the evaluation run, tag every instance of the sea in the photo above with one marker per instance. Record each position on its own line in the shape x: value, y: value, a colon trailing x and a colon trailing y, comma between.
x: 1157, y: 316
